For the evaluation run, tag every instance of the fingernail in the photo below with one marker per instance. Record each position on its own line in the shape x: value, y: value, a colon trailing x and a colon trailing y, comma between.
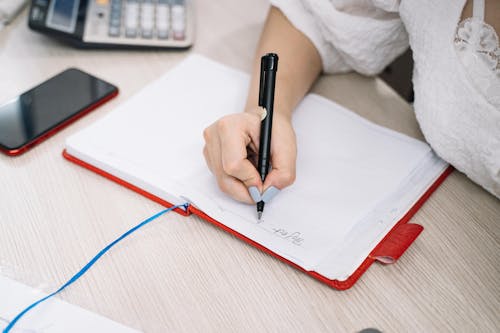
x: 254, y: 193
x: 269, y: 194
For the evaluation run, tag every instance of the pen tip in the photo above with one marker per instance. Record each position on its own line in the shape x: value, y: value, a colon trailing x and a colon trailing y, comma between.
x: 259, y: 215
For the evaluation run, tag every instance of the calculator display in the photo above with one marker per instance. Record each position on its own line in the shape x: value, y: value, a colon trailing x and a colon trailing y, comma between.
x: 62, y: 15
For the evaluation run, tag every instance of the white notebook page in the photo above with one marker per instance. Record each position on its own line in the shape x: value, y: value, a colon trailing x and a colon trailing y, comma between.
x: 52, y: 316
x: 346, y: 166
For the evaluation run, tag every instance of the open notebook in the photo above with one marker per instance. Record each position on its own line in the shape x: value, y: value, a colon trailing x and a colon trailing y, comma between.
x: 355, y: 180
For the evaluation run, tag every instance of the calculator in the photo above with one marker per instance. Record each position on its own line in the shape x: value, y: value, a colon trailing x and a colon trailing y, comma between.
x: 116, y: 23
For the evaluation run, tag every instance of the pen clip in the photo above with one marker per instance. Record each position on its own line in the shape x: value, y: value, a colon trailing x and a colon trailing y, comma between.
x: 262, y: 81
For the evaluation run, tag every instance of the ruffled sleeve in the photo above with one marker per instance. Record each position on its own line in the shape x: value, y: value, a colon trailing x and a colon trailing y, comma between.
x: 360, y: 35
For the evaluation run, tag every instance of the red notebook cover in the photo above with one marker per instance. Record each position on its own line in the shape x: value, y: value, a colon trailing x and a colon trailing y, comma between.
x: 388, y: 251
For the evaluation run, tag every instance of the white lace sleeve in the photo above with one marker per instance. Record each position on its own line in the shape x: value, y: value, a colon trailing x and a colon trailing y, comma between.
x: 359, y: 35
x: 456, y: 82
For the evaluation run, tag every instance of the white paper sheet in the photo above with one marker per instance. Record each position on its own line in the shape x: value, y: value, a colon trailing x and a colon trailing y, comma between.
x: 51, y: 316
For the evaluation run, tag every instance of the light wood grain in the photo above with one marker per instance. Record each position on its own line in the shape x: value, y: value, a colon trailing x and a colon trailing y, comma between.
x: 182, y: 274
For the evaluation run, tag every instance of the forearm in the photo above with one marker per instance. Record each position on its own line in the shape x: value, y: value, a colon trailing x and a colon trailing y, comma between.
x: 299, y: 63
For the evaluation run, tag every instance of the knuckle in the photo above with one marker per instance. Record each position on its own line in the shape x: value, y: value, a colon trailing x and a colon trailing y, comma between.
x: 206, y: 134
x: 231, y: 167
x: 288, y: 177
x: 253, y: 118
x: 222, y: 185
x: 224, y: 124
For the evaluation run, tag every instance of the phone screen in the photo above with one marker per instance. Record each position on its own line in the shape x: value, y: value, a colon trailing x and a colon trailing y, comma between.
x: 49, y: 105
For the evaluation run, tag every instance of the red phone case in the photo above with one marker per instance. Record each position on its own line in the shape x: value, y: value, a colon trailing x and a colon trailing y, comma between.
x: 55, y: 129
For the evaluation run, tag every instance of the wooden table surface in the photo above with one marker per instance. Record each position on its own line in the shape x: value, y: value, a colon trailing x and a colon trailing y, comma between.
x: 182, y: 274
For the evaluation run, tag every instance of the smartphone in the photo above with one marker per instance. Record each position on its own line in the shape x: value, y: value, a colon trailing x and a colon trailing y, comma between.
x: 45, y: 109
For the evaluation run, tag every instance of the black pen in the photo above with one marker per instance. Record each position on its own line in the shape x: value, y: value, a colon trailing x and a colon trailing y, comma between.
x: 268, y: 68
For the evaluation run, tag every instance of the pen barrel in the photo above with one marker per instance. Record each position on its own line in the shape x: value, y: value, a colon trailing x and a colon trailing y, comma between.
x: 269, y: 64
x: 266, y: 127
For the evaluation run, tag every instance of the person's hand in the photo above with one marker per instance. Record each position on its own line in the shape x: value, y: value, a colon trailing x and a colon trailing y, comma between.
x: 231, y: 152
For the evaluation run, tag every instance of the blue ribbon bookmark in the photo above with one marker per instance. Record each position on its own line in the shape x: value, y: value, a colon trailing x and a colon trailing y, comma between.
x: 90, y: 264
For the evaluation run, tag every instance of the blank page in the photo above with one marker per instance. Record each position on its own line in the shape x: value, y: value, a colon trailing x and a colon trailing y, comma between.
x: 56, y: 316
x: 348, y: 169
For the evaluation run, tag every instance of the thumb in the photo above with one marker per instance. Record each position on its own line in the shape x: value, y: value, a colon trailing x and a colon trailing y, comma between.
x: 279, y: 178
x: 283, y: 161
x: 257, y: 114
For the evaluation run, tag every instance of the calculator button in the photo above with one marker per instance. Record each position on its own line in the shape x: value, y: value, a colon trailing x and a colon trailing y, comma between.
x: 147, y: 33
x: 116, y: 12
x: 115, y: 18
x: 147, y: 10
x: 114, y: 31
x: 116, y: 6
x: 114, y: 21
x: 130, y: 32
x: 162, y: 19
x: 162, y: 34
x: 147, y: 19
x: 178, y: 22
x: 131, y: 18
